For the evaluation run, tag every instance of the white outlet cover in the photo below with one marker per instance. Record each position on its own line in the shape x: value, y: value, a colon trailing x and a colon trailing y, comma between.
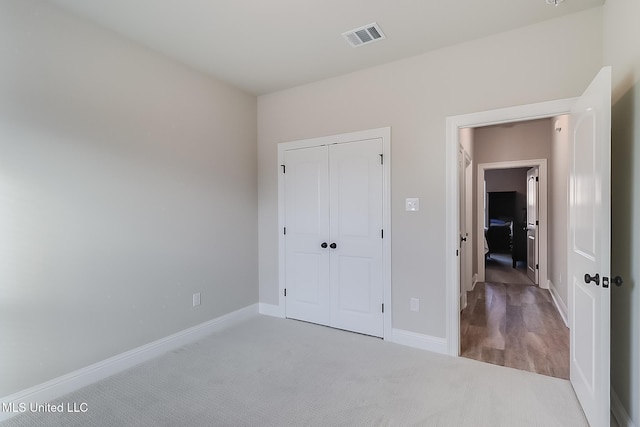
x: 196, y: 299
x: 415, y: 304
x: 412, y: 204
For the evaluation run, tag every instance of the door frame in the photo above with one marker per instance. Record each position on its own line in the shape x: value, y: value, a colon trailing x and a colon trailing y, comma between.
x: 453, y: 125
x: 541, y: 164
x: 466, y: 261
x: 383, y: 133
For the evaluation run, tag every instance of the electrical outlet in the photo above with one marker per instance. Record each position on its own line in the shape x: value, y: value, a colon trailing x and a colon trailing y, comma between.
x: 196, y: 299
x: 412, y: 204
x: 414, y: 304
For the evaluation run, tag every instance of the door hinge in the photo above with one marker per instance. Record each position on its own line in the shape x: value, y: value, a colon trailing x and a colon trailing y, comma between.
x: 383, y: 308
x: 285, y: 231
x: 285, y: 292
x: 537, y: 222
x: 537, y: 179
x: 382, y: 159
x: 382, y: 234
x: 537, y: 267
x: 284, y: 168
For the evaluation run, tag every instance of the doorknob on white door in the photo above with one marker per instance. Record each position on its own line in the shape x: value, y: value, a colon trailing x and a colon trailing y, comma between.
x: 588, y: 279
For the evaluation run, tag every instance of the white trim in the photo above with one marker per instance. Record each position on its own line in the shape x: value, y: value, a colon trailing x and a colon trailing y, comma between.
x: 560, y: 305
x: 619, y: 412
x: 385, y: 135
x: 543, y: 261
x: 75, y: 380
x: 272, y: 310
x: 423, y: 342
x: 475, y: 281
x: 453, y: 125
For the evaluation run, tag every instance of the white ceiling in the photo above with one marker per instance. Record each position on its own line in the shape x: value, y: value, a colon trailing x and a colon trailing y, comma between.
x: 263, y: 46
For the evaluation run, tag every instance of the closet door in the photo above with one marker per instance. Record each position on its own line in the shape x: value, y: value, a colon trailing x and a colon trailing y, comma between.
x: 307, y: 227
x: 356, y: 180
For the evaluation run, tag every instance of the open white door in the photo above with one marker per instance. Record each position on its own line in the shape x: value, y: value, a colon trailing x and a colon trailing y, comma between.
x: 532, y: 225
x: 589, y: 248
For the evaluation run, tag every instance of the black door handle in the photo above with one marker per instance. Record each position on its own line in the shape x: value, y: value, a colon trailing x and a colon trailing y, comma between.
x: 588, y: 279
x: 333, y: 246
x: 324, y: 245
x: 617, y: 281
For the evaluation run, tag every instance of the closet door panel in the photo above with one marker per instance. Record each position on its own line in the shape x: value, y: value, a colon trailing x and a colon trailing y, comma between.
x: 307, y: 226
x: 355, y: 176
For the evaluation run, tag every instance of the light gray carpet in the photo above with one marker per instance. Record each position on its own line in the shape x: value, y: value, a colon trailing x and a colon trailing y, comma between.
x: 275, y: 372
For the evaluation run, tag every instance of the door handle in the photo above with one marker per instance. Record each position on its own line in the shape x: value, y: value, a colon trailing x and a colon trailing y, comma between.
x: 333, y: 246
x: 617, y: 281
x: 588, y: 279
x: 324, y: 245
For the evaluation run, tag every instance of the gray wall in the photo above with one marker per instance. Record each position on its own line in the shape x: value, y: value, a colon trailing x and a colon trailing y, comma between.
x: 414, y: 96
x: 558, y: 198
x: 127, y: 183
x: 622, y: 52
x: 514, y: 179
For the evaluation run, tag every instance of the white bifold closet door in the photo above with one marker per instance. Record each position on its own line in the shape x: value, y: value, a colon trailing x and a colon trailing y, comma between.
x: 333, y: 241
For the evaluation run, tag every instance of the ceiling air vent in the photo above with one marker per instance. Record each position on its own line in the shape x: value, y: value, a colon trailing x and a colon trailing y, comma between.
x: 364, y: 35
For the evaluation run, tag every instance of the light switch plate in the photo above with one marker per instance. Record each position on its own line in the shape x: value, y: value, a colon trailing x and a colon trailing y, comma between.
x: 414, y: 304
x: 412, y: 204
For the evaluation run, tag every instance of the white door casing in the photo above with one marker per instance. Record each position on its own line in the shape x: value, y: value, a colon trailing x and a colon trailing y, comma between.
x: 541, y: 165
x: 532, y: 225
x: 454, y: 124
x: 589, y: 248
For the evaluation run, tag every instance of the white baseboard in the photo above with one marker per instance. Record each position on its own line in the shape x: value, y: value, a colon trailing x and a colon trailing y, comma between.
x: 271, y: 310
x: 560, y: 305
x: 618, y: 411
x: 474, y: 281
x: 424, y: 342
x: 75, y: 380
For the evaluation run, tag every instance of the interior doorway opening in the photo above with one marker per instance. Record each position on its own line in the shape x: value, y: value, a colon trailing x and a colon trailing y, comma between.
x: 510, y: 213
x: 587, y: 244
x: 508, y: 314
x: 508, y: 222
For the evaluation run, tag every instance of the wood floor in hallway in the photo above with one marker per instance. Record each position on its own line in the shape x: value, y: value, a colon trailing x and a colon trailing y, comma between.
x: 515, y: 325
